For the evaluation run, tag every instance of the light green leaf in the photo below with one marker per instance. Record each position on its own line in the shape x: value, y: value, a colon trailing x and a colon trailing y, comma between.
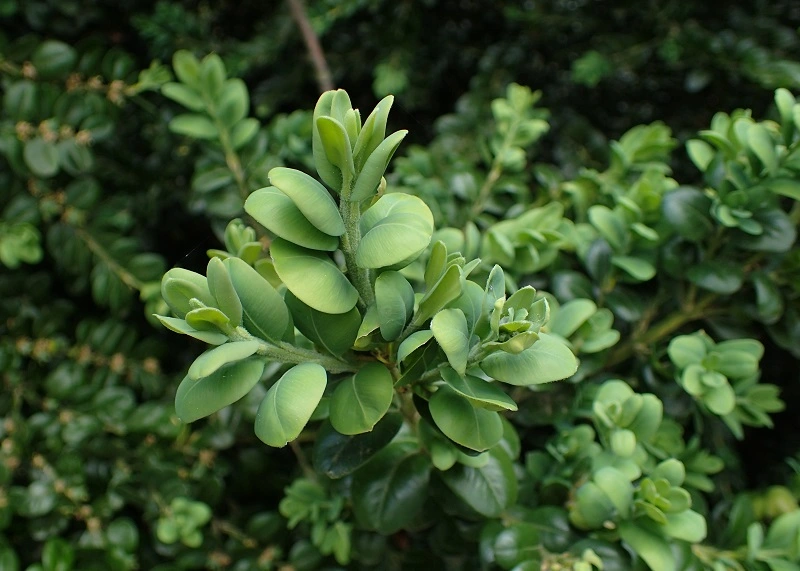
x: 213, y: 359
x: 609, y: 225
x: 336, y: 144
x: 221, y: 287
x: 762, y: 145
x: 449, y: 327
x: 194, y: 125
x: 366, y: 184
x: 412, y: 343
x: 447, y: 289
x: 647, y: 544
x: 233, y: 103
x: 687, y: 525
x: 571, y: 316
x: 361, y: 400
x: 184, y: 95
x: 313, y: 277
x: 264, y: 312
x: 637, y: 268
x: 479, y: 392
x: 41, y: 157
x: 546, y: 361
x: 179, y: 286
x: 473, y: 427
x: 437, y: 263
x: 243, y: 132
x: 196, y: 399
x: 208, y: 319
x: 394, y: 231
x: 394, y: 299
x: 279, y: 214
x: 373, y: 132
x: 289, y: 404
x: 180, y: 326
x: 187, y: 68
x: 310, y: 197
x: 686, y: 350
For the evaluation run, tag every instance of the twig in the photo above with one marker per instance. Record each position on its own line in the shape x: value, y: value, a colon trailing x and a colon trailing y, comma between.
x: 324, y: 78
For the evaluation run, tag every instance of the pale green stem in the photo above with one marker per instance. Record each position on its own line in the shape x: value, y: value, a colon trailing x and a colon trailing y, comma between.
x: 351, y: 215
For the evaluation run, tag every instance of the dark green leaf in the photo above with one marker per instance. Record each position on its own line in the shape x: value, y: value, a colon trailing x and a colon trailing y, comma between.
x: 337, y: 455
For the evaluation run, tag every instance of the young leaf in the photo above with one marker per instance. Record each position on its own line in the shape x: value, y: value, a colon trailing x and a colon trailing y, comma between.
x: 361, y: 400
x: 289, y: 403
x: 336, y: 144
x: 180, y: 326
x: 196, y: 399
x: 366, y: 184
x: 394, y: 299
x: 213, y: 359
x: 449, y: 327
x: 178, y: 286
x: 221, y: 287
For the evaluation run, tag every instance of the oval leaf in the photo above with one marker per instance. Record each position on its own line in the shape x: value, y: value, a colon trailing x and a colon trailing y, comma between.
x: 313, y: 278
x: 264, y: 312
x: 476, y: 428
x: 394, y: 231
x: 394, y: 298
x: 546, y: 361
x: 490, y: 489
x: 335, y: 333
x: 289, y: 404
x: 280, y: 215
x: 221, y: 287
x: 198, y: 398
x: 212, y: 360
x: 479, y: 392
x: 449, y: 327
x: 310, y: 197
x: 360, y: 401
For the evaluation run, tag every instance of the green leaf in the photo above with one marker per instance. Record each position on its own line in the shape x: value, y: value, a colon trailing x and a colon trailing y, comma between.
x: 394, y: 299
x: 446, y: 290
x: 546, y: 361
x: 278, y: 213
x: 571, y: 316
x: 194, y: 125
x: 609, y: 226
x: 787, y: 187
x: 210, y: 361
x: 233, y: 103
x: 366, y: 185
x: 212, y: 75
x: 762, y: 145
x: 53, y: 59
x: 637, y: 268
x: 264, y: 313
x: 243, y: 132
x: 187, y: 68
x: 473, y: 427
x: 719, y: 277
x: 336, y: 455
x: 480, y: 393
x: 41, y: 157
x: 310, y: 197
x: 335, y: 333
x: 221, y: 287
x: 394, y: 231
x: 179, y: 286
x: 361, y: 400
x: 373, y: 132
x: 647, y: 544
x: 313, y: 277
x: 196, y: 399
x: 437, y: 263
x: 180, y: 326
x: 490, y: 489
x: 449, y: 327
x: 687, y: 525
x: 686, y: 350
x: 329, y: 174
x: 184, y: 95
x: 289, y: 404
x: 335, y: 143
x: 412, y: 343
x: 700, y: 152
x: 390, y: 490
x: 208, y: 319
x: 519, y: 544
x: 687, y: 210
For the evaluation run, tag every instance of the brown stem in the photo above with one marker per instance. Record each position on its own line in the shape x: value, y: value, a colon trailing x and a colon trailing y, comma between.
x: 324, y: 78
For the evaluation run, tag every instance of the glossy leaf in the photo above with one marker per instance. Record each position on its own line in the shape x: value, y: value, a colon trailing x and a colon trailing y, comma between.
x: 546, y: 361
x: 361, y: 400
x: 196, y: 399
x: 289, y: 404
x: 473, y: 427
x: 337, y: 455
x: 687, y: 211
x: 313, y: 277
x: 276, y: 211
x: 394, y: 231
x: 310, y: 197
x: 390, y: 490
x: 264, y: 313
x: 412, y: 343
x: 490, y: 489
x: 449, y: 327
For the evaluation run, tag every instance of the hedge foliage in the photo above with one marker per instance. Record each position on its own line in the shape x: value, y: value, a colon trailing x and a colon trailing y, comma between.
x: 598, y: 208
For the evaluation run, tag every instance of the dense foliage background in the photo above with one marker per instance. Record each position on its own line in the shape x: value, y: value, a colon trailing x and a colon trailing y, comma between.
x: 99, y: 196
